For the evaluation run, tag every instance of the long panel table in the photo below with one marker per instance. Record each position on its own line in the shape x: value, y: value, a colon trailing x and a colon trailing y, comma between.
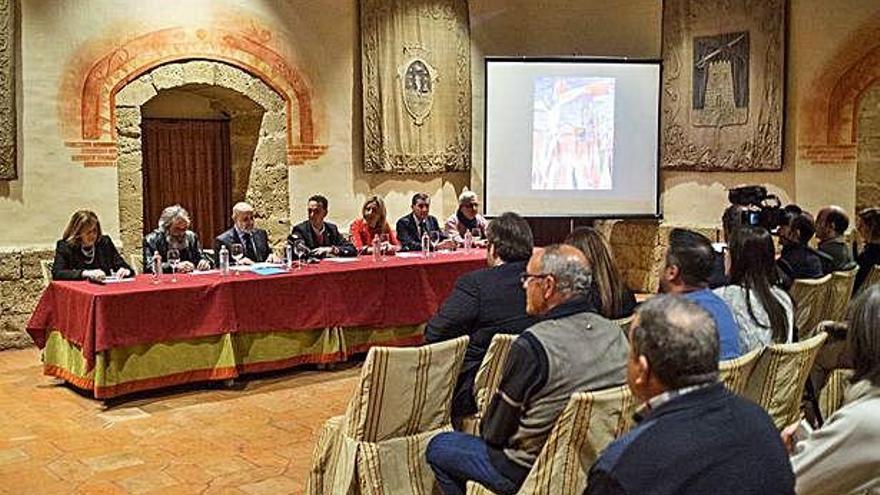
x: 120, y: 338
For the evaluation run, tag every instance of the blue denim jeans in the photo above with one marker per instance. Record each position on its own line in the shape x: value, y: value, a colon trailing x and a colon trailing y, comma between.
x: 457, y: 458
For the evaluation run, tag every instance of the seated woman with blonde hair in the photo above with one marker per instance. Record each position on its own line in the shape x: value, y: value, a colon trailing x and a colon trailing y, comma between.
x: 609, y: 295
x: 85, y: 253
x: 373, y: 222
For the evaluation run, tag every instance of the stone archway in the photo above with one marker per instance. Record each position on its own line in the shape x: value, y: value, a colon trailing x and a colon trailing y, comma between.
x: 267, y: 182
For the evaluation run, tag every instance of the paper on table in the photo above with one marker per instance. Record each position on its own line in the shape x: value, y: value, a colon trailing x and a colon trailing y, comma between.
x: 266, y: 265
x: 268, y: 270
x: 241, y: 268
x: 204, y: 272
x: 409, y: 255
x: 114, y: 280
x: 341, y: 260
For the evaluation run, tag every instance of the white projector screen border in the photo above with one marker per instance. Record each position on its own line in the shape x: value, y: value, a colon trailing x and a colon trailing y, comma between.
x: 593, y: 61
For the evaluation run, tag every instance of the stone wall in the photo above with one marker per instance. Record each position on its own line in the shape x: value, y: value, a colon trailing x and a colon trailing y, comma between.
x: 21, y: 283
x: 868, y: 173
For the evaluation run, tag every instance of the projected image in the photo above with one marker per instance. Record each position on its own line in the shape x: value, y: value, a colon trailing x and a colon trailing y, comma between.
x: 573, y: 133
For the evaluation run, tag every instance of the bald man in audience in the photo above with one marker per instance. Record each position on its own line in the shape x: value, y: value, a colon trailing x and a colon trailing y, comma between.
x: 254, y: 241
x: 693, y: 435
x: 835, y: 254
x: 572, y: 349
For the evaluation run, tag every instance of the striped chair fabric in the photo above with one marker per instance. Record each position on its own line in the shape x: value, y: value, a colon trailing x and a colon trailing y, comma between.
x: 831, y: 396
x: 811, y: 301
x: 589, y: 422
x: 735, y: 372
x: 401, y: 401
x: 839, y: 293
x: 778, y: 380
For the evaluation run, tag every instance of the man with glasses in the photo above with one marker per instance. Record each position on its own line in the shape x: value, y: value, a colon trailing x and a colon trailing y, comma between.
x: 572, y: 349
x: 467, y: 219
x: 254, y: 241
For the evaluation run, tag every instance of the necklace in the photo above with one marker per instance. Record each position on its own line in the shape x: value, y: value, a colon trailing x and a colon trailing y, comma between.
x: 89, y: 253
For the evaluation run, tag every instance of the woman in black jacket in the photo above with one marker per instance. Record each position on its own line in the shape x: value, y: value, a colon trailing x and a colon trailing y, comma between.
x: 85, y: 253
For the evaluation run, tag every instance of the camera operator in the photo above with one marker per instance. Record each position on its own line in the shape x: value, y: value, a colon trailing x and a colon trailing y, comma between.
x: 798, y: 260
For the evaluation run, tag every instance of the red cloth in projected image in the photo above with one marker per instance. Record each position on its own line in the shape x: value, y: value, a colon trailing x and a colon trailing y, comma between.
x: 573, y: 133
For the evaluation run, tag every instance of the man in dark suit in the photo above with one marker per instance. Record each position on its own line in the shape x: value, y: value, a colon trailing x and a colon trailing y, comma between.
x: 412, y: 227
x: 322, y: 238
x: 486, y: 302
x: 254, y: 241
x: 798, y: 260
x: 831, y: 224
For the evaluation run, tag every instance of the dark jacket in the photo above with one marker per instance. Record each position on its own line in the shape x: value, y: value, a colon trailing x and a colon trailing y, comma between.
x: 835, y: 255
x: 70, y: 261
x: 705, y: 441
x: 798, y: 262
x: 408, y: 232
x: 869, y: 257
x: 483, y: 303
x: 155, y: 241
x: 331, y: 238
x: 259, y: 237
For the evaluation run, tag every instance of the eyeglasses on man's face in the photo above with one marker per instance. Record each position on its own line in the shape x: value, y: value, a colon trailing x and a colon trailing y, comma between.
x: 526, y: 276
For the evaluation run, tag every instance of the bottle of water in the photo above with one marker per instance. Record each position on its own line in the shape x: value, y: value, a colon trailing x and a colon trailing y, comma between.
x: 288, y: 256
x: 224, y: 261
x: 156, y: 263
x: 468, y: 241
x: 377, y: 248
x: 426, y: 245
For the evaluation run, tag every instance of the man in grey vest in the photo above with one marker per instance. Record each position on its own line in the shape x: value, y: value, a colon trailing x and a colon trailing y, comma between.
x: 572, y: 349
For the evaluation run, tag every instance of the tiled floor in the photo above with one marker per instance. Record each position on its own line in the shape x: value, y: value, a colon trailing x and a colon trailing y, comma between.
x: 253, y: 438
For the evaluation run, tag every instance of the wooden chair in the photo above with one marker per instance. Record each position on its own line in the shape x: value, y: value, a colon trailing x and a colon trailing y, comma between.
x: 401, y: 401
x: 46, y: 269
x: 488, y: 377
x: 778, y: 380
x: 589, y: 422
x: 735, y: 372
x: 810, y: 300
x: 840, y: 291
x: 873, y: 278
x: 831, y: 396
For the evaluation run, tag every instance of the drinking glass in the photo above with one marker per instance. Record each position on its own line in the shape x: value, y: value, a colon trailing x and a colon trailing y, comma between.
x: 386, y: 246
x: 237, y: 253
x: 434, y: 235
x: 302, y: 252
x: 173, y: 260
x: 476, y: 233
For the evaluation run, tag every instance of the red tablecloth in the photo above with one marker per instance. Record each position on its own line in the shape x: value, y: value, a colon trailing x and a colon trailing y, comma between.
x: 395, y: 292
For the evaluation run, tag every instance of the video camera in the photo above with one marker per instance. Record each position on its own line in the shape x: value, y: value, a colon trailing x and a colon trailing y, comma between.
x: 759, y: 208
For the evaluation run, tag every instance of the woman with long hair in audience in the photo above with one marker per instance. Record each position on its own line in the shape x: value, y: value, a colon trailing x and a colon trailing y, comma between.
x: 843, y: 456
x: 869, y: 230
x: 373, y: 222
x: 763, y: 311
x: 610, y: 295
x: 85, y: 253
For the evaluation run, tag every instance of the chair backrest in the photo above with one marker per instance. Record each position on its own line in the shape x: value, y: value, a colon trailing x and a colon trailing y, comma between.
x: 589, y: 422
x: 735, y: 372
x: 624, y: 323
x: 873, y: 278
x: 831, y: 396
x: 489, y: 375
x: 839, y: 293
x: 46, y: 269
x: 810, y: 300
x: 777, y: 382
x: 404, y: 391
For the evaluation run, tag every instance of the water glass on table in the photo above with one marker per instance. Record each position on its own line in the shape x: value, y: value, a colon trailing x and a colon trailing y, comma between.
x: 237, y: 253
x: 173, y: 260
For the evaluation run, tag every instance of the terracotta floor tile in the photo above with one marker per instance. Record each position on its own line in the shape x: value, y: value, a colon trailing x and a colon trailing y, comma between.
x: 271, y: 486
x: 146, y: 482
x: 111, y: 462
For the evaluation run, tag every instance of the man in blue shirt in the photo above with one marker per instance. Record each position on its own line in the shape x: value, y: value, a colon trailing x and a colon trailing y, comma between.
x: 689, y: 261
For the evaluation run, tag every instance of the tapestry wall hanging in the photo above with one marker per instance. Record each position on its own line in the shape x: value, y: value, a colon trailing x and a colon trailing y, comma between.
x: 723, y: 83
x: 415, y: 59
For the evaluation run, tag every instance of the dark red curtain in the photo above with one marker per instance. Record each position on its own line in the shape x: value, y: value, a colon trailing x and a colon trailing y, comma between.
x: 188, y: 162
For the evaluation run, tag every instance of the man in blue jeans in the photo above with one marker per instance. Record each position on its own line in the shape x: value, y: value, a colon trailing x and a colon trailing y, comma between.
x: 689, y: 261
x: 571, y: 349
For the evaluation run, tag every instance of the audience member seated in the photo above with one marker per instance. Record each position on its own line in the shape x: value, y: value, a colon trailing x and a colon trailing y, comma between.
x: 486, y: 302
x: 572, y: 349
x: 693, y: 435
x: 84, y: 252
x: 254, y: 241
x: 609, y: 294
x: 689, y: 260
x: 373, y: 222
x: 467, y: 218
x: 731, y: 220
x: 173, y: 233
x: 412, y: 227
x: 843, y: 456
x: 835, y: 254
x: 322, y: 238
x: 869, y: 230
x: 763, y: 311
x: 798, y: 259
